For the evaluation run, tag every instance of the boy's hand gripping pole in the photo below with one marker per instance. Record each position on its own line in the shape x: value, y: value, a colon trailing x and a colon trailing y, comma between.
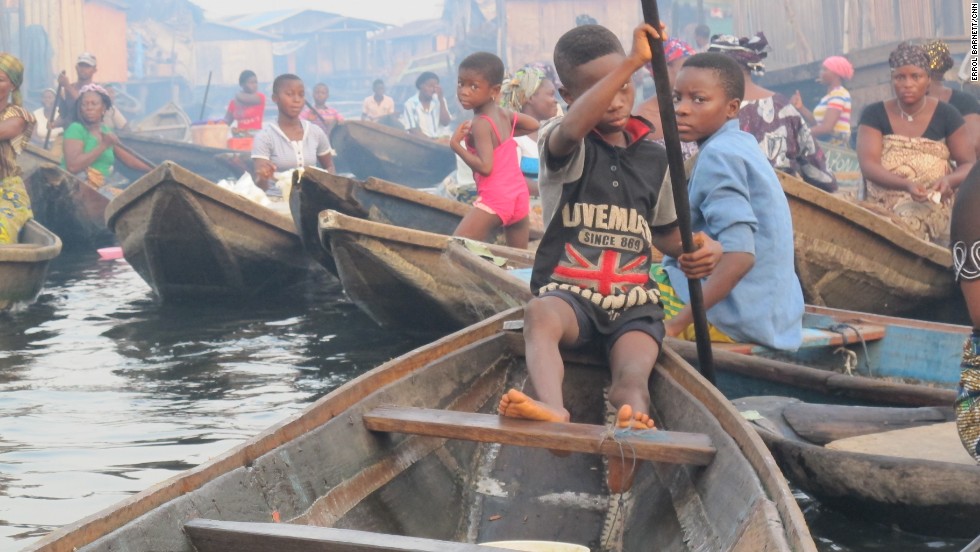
x: 678, y: 178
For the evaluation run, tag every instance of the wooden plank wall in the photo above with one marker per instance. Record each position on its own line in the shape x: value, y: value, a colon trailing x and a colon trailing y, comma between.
x: 789, y: 25
x: 62, y: 20
x: 534, y: 26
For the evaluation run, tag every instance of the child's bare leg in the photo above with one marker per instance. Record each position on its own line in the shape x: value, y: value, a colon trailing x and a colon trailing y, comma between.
x: 631, y: 362
x: 548, y: 322
x: 519, y: 233
x: 477, y: 225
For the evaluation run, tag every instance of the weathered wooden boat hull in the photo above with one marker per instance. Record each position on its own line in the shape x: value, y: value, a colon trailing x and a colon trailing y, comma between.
x: 369, y: 149
x: 843, y: 162
x: 170, y: 122
x: 849, y: 258
x: 401, y: 277
x: 930, y: 497
x: 213, y: 164
x: 24, y: 265
x: 323, y: 467
x: 371, y: 199
x: 191, y: 239
x: 69, y: 207
x: 895, y: 360
x: 33, y: 157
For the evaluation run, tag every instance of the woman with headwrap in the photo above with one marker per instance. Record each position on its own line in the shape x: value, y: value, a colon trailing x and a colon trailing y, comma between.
x: 676, y: 51
x: 831, y: 119
x: 965, y: 236
x: 16, y: 127
x: 905, y: 147
x: 782, y: 133
x: 90, y: 146
x: 531, y: 92
x: 941, y: 61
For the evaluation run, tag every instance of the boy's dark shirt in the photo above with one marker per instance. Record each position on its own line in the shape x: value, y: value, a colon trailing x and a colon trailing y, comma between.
x: 605, y: 256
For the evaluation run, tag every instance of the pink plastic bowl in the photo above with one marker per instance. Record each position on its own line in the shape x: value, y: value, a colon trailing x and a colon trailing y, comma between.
x: 110, y: 253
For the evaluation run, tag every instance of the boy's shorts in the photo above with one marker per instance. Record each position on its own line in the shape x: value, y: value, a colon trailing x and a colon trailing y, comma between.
x: 591, y: 329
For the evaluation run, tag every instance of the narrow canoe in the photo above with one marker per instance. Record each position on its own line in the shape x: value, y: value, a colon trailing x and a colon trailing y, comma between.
x: 211, y: 163
x: 191, y: 239
x: 395, y: 274
x: 24, y: 265
x: 371, y: 199
x: 889, y: 360
x: 369, y: 149
x: 904, y: 467
x: 33, y: 157
x: 69, y: 207
x: 335, y: 481
x: 850, y: 258
x: 170, y: 122
x: 843, y: 162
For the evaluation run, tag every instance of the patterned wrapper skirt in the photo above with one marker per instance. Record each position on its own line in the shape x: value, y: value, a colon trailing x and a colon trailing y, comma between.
x: 15, y: 208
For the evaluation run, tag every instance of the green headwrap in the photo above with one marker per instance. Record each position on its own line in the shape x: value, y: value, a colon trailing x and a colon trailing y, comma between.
x: 15, y: 72
x: 518, y: 90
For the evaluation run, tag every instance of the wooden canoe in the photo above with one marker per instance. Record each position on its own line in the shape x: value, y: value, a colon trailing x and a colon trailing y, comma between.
x: 69, y: 207
x: 191, y: 239
x: 893, y: 360
x: 371, y: 199
x: 211, y: 163
x: 33, y: 157
x: 24, y: 265
x: 850, y: 258
x: 432, y: 476
x: 170, y: 122
x: 843, y: 162
x: 903, y: 467
x: 402, y: 277
x: 368, y: 149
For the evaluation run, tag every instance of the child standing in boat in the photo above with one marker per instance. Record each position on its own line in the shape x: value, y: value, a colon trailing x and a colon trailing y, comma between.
x: 503, y: 198
x: 605, y: 204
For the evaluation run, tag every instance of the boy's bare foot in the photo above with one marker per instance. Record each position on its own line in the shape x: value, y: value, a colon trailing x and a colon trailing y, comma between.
x: 515, y: 404
x: 621, y: 469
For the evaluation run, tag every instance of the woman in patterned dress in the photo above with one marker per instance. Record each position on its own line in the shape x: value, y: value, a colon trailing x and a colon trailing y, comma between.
x: 907, y: 147
x: 16, y: 127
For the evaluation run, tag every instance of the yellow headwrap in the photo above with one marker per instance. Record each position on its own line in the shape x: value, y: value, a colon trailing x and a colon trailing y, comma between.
x: 518, y: 90
x: 15, y: 72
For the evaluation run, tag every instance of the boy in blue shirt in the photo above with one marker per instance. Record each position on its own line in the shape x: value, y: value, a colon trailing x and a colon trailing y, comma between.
x: 605, y: 203
x: 753, y: 294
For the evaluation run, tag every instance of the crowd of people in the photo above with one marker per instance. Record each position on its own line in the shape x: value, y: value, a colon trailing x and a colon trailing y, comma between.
x: 599, y: 167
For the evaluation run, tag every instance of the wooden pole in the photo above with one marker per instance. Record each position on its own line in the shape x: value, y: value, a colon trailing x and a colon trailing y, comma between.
x: 204, y: 104
x: 678, y: 178
x: 54, y: 110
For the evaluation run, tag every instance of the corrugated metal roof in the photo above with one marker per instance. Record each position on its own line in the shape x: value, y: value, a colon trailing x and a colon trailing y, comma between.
x: 425, y: 27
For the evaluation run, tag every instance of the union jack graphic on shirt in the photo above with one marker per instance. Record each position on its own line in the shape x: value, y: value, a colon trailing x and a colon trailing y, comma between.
x: 607, y: 275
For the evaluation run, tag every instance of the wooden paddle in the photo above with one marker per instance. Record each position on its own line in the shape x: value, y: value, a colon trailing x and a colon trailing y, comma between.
x: 678, y: 178
x: 318, y: 116
x: 54, y: 110
x: 204, y: 104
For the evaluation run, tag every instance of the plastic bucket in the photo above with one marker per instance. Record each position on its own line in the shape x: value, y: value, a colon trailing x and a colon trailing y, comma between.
x: 537, y: 546
x: 211, y: 135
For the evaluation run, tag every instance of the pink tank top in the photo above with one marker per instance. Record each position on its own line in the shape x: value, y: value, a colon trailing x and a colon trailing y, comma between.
x: 506, y: 176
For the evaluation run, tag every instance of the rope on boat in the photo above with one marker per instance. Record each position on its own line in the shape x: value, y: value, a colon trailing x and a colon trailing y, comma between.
x: 850, y: 357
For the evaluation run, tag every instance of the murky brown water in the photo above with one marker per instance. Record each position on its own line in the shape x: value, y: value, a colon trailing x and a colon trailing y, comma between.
x: 104, y: 393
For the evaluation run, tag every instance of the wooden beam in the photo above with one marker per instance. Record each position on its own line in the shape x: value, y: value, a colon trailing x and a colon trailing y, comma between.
x: 223, y: 536
x: 659, y: 446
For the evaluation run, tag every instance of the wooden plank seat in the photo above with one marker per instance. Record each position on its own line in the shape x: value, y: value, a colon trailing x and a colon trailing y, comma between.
x: 656, y: 445
x: 224, y: 536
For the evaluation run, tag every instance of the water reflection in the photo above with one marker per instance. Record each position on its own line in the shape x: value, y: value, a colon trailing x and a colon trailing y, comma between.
x: 103, y: 392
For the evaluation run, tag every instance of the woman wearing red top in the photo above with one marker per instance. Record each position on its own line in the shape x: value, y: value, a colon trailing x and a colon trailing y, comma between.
x: 247, y: 108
